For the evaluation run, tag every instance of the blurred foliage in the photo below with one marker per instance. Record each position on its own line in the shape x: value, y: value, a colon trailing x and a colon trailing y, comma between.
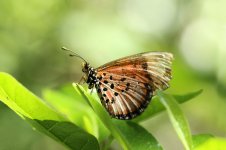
x: 32, y: 33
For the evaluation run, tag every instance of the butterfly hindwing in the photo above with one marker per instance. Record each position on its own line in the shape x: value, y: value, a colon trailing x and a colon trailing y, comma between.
x: 122, y: 96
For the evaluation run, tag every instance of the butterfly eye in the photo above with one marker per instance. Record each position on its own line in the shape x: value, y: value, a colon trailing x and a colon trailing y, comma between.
x: 85, y: 67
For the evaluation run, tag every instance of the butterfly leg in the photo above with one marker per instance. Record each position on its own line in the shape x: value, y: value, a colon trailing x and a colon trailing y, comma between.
x: 91, y: 86
x: 82, y: 80
x: 91, y: 91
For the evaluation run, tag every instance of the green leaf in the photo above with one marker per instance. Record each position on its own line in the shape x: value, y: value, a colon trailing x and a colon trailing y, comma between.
x: 186, y: 97
x: 156, y: 106
x: 177, y: 118
x: 200, y: 139
x: 208, y: 142
x: 41, y: 117
x: 77, y: 112
x: 130, y: 135
x: 69, y: 134
x: 137, y: 136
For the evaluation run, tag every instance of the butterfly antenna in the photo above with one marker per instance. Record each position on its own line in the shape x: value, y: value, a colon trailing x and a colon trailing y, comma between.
x: 73, y: 54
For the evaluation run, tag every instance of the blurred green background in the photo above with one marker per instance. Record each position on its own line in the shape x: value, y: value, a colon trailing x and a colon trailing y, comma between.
x: 32, y: 33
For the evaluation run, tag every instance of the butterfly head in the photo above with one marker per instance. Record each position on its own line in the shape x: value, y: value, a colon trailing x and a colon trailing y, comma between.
x: 85, y: 67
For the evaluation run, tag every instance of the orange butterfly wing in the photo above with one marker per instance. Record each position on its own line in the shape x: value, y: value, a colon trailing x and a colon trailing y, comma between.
x: 126, y: 85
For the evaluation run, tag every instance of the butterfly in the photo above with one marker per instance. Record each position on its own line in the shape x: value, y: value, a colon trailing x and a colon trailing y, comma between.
x: 125, y: 86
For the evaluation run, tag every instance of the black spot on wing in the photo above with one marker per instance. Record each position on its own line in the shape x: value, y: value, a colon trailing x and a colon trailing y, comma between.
x: 112, y: 86
x: 111, y: 78
x: 116, y: 94
x: 123, y: 79
x: 145, y: 66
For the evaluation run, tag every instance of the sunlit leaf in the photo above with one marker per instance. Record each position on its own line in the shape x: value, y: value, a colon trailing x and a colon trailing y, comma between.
x: 41, y: 117
x: 137, y: 136
x: 77, y: 112
x: 177, y: 118
x: 200, y: 139
x: 208, y: 142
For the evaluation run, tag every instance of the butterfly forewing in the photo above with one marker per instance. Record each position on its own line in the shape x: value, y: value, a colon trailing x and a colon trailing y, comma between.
x: 153, y: 67
x: 126, y: 85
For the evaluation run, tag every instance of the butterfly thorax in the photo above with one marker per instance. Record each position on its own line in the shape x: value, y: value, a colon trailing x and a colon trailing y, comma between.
x: 90, y: 73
